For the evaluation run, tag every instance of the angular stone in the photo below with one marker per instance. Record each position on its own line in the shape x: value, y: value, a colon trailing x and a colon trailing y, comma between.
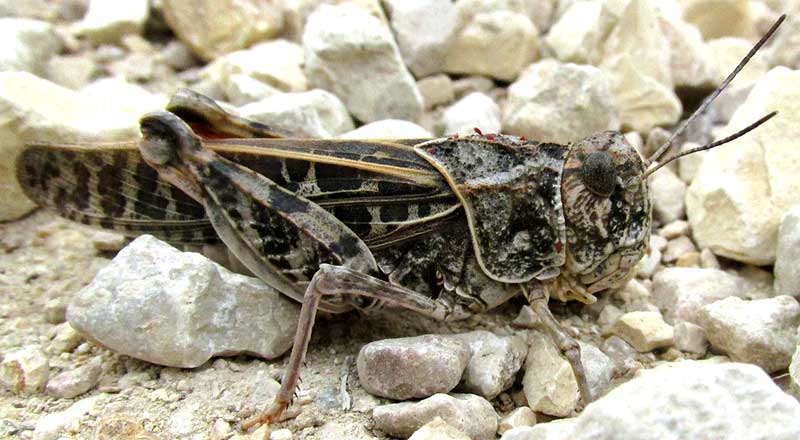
x: 794, y: 372
x: 787, y: 256
x: 27, y: 45
x: 315, y: 113
x: 549, y: 383
x: 24, y: 370
x: 678, y: 247
x: 761, y: 332
x: 493, y: 362
x: 522, y: 416
x: 491, y: 41
x: 674, y: 229
x: 352, y: 54
x: 690, y: 338
x: 559, y: 429
x: 424, y: 30
x: 438, y: 429
x: 692, y: 400
x: 720, y: 19
x: 556, y: 102
x: 388, y: 129
x: 73, y: 383
x: 277, y: 64
x: 728, y: 52
x: 49, y: 427
x: 645, y: 331
x: 108, y: 22
x: 468, y: 413
x: 577, y: 35
x: 475, y: 110
x: 212, y: 34
x: 65, y: 339
x: 436, y: 90
x: 192, y: 309
x: 667, y: 192
x: 414, y: 367
x: 691, y: 60
x: 736, y: 200
x: 680, y: 292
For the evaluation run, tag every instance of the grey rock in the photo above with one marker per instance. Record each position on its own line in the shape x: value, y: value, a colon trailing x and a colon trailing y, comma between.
x: 24, y: 370
x: 693, y: 400
x: 794, y: 372
x: 618, y: 350
x: 475, y: 83
x: 468, y: 413
x: 352, y: 54
x: 645, y: 331
x: 493, y: 362
x: 315, y: 113
x: 424, y: 30
x: 708, y: 260
x: 558, y: 102
x: 66, y: 338
x: 761, y: 332
x: 179, y: 309
x: 560, y: 429
x: 674, y: 229
x: 475, y: 110
x: 787, y: 256
x: 72, y: 383
x: 405, y: 368
x: 438, y: 429
x: 690, y: 338
x: 27, y: 45
x: 680, y: 292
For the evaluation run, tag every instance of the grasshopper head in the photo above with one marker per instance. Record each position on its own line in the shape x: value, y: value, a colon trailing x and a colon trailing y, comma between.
x: 606, y: 213
x: 164, y: 136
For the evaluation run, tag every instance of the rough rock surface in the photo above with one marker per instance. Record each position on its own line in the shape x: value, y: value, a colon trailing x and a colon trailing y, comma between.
x: 468, y: 413
x: 25, y: 370
x: 680, y: 292
x: 406, y: 368
x: 27, y: 45
x: 543, y: 103
x: 736, y: 201
x: 352, y: 54
x: 475, y: 110
x: 645, y: 331
x: 493, y: 362
x: 315, y: 113
x: 787, y: 256
x: 106, y: 22
x: 179, y: 309
x: 760, y: 332
x: 424, y: 30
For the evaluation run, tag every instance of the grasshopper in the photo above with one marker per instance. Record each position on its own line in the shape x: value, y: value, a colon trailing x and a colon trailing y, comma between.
x: 445, y: 227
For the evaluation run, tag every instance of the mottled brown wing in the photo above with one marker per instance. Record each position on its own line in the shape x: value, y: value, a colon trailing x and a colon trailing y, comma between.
x: 378, y: 189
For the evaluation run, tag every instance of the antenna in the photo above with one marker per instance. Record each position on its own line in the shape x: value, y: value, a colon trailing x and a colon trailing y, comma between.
x: 704, y: 106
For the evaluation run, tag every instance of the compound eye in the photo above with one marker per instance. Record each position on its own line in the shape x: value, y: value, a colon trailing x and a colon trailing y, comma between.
x: 599, y: 173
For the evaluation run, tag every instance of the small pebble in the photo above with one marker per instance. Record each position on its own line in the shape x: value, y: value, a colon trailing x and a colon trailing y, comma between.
x: 65, y: 340
x: 438, y: 429
x: 55, y: 310
x: 618, y: 350
x: 436, y: 90
x: 493, y: 363
x: 468, y: 413
x: 24, y: 370
x: 405, y: 368
x: 689, y: 259
x: 281, y: 434
x: 522, y: 416
x: 72, y: 383
x: 645, y: 331
x: 708, y: 260
x: 690, y: 338
x: 674, y: 229
x: 678, y: 247
x: 526, y: 318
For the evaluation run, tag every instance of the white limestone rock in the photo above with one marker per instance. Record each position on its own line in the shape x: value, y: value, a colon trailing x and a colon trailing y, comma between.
x: 691, y: 59
x: 577, y: 35
x: 645, y: 331
x: 668, y: 192
x: 315, y: 113
x: 438, y: 429
x: 559, y: 429
x: 680, y: 292
x: 277, y: 64
x: 388, y: 129
x: 493, y: 362
x: 557, y: 102
x: 715, y: 19
x: 491, y: 40
x: 436, y: 90
x: 787, y: 256
x: 692, y: 400
x: 27, y: 45
x: 475, y: 110
x: 727, y: 52
x: 690, y: 338
x: 353, y: 55
x: 522, y: 416
x: 794, y: 372
x: 211, y: 33
x: 51, y: 426
x: 178, y: 309
x: 108, y: 22
x: 424, y: 30
x: 736, y: 201
x: 24, y: 370
x: 761, y: 332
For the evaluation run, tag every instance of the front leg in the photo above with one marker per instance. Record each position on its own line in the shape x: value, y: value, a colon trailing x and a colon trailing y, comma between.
x: 339, y: 281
